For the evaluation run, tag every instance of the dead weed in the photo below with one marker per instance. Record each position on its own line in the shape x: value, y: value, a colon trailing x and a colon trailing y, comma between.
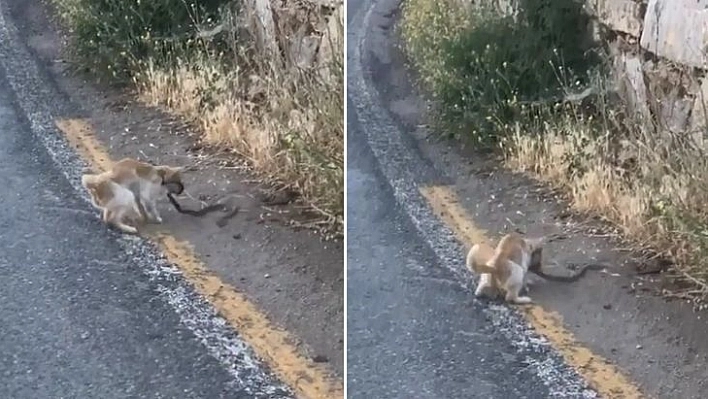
x: 648, y: 185
x: 286, y: 119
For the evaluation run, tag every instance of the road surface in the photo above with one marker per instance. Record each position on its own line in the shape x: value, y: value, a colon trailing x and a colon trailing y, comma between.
x: 291, y: 275
x: 413, y: 199
x: 88, y: 314
x: 413, y: 329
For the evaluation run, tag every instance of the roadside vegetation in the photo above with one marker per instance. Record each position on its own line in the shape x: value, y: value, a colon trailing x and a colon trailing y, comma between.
x: 532, y: 85
x: 263, y: 80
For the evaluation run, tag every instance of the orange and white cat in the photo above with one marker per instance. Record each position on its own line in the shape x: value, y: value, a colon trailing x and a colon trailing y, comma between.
x: 129, y: 191
x: 117, y: 203
x: 148, y: 182
x: 504, y: 267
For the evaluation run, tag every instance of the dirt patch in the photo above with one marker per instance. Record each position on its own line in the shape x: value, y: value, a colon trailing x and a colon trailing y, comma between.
x: 266, y: 251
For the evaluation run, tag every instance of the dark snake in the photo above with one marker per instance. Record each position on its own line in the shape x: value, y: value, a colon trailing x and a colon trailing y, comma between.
x: 201, y: 212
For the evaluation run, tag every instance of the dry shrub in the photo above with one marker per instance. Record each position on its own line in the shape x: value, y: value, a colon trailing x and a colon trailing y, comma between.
x: 645, y: 183
x: 261, y: 78
x: 505, y: 78
x: 478, y: 63
x: 111, y: 38
x: 286, y: 119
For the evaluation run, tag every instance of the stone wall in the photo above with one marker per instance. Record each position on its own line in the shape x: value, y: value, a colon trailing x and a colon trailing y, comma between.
x: 660, y: 54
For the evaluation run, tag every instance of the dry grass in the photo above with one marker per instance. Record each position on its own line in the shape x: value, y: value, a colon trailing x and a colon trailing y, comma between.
x: 646, y: 184
x: 287, y: 121
x: 263, y: 79
x: 500, y: 81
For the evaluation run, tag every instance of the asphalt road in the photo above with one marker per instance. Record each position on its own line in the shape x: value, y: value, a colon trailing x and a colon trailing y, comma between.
x: 87, y: 313
x: 414, y: 329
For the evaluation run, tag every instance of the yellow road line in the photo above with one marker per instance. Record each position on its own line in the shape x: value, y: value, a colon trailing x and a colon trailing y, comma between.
x: 274, y: 345
x: 607, y: 379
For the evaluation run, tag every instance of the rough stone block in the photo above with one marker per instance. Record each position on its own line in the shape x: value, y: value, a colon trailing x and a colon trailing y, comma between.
x: 674, y: 111
x: 332, y: 37
x: 699, y: 115
x: 304, y: 50
x: 677, y: 30
x: 632, y: 86
x: 619, y: 15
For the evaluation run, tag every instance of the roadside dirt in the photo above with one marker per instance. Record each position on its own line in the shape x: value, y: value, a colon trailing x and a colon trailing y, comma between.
x: 659, y: 343
x: 292, y: 273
